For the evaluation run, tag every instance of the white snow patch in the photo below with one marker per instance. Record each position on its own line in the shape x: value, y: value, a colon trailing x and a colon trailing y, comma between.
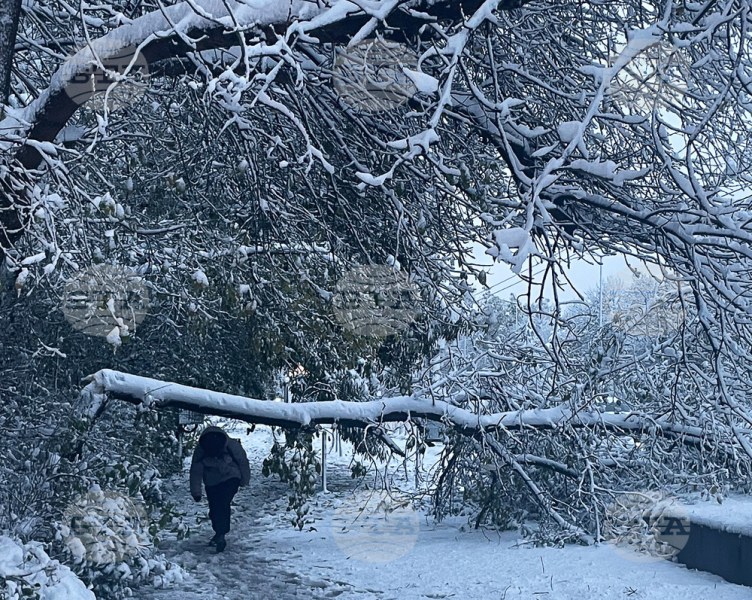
x: 568, y: 131
x: 444, y: 560
x: 30, y: 563
x: 200, y: 278
x: 425, y: 84
x: 113, y: 338
x: 505, y: 240
x: 604, y: 169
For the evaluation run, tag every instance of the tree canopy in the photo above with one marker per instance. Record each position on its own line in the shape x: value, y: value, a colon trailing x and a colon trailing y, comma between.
x: 249, y: 159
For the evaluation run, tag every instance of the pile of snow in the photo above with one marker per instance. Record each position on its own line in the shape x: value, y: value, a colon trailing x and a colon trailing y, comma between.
x: 200, y: 278
x: 27, y: 572
x: 732, y: 514
x: 104, y: 528
x: 505, y: 240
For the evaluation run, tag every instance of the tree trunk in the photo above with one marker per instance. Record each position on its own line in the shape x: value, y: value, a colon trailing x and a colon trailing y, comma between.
x: 10, y: 13
x: 153, y: 393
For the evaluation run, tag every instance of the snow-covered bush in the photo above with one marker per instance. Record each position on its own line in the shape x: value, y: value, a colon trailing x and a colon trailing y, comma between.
x: 39, y: 472
x: 300, y: 469
x: 26, y: 571
x: 106, y: 538
x: 51, y: 460
x: 563, y: 478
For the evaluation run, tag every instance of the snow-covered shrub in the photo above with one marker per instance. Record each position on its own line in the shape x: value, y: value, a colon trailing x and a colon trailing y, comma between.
x: 53, y: 465
x: 469, y: 483
x: 26, y: 571
x: 295, y: 462
x: 105, y: 537
x: 39, y: 472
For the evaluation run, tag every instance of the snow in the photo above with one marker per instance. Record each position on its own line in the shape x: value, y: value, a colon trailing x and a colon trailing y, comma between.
x: 543, y: 151
x: 628, y: 175
x: 54, y: 201
x: 732, y: 514
x: 420, y: 143
x: 32, y: 260
x: 29, y: 563
x: 425, y: 84
x: 77, y: 549
x: 603, y: 169
x: 505, y: 240
x: 263, y: 411
x: 113, y: 338
x: 514, y: 237
x: 301, y: 15
x: 45, y: 148
x: 347, y: 553
x: 11, y: 555
x: 637, y: 41
x: 568, y: 131
x: 369, y: 179
x: 21, y: 279
x: 200, y: 278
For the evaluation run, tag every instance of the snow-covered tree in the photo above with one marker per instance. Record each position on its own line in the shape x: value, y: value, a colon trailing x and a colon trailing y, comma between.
x: 246, y: 177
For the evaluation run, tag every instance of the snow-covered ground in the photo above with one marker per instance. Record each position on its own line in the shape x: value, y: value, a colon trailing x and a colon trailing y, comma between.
x: 733, y: 515
x: 352, y: 554
x: 26, y: 567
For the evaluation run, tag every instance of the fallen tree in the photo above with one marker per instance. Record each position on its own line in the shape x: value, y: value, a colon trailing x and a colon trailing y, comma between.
x: 499, y: 436
x: 152, y: 393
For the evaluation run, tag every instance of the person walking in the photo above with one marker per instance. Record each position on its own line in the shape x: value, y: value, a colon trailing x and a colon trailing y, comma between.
x: 220, y: 462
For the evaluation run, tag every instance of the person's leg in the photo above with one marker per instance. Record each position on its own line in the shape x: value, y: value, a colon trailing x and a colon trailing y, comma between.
x: 221, y: 521
x: 214, y: 497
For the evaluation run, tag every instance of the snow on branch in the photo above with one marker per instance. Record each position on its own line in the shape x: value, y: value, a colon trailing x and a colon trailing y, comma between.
x: 174, y: 31
x: 192, y: 28
x: 153, y: 393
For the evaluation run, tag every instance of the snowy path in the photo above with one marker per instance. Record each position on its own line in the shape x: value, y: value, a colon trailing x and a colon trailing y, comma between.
x: 264, y: 555
x: 416, y: 559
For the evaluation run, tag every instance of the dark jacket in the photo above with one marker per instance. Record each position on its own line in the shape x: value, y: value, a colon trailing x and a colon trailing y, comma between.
x: 228, y: 462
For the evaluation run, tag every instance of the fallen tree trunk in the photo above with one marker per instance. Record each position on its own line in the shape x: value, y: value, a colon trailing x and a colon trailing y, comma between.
x: 161, y: 394
x: 370, y: 415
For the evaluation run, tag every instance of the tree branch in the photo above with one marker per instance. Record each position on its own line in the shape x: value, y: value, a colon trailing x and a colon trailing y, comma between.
x: 10, y: 13
x: 177, y: 30
x: 160, y: 394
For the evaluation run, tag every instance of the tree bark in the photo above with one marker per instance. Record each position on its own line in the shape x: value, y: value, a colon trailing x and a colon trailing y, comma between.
x: 10, y: 14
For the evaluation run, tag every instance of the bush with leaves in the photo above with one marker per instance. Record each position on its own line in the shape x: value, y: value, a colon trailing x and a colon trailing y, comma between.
x: 51, y: 459
x: 296, y: 462
x: 106, y: 536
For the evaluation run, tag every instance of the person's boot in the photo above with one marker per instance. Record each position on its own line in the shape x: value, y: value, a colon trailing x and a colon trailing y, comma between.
x: 221, y: 543
x: 214, y: 539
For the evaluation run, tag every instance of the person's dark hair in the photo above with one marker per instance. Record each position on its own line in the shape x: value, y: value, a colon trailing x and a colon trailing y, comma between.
x: 213, y: 443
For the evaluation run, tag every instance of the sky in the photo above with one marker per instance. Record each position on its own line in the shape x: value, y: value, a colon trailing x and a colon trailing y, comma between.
x: 502, y: 281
